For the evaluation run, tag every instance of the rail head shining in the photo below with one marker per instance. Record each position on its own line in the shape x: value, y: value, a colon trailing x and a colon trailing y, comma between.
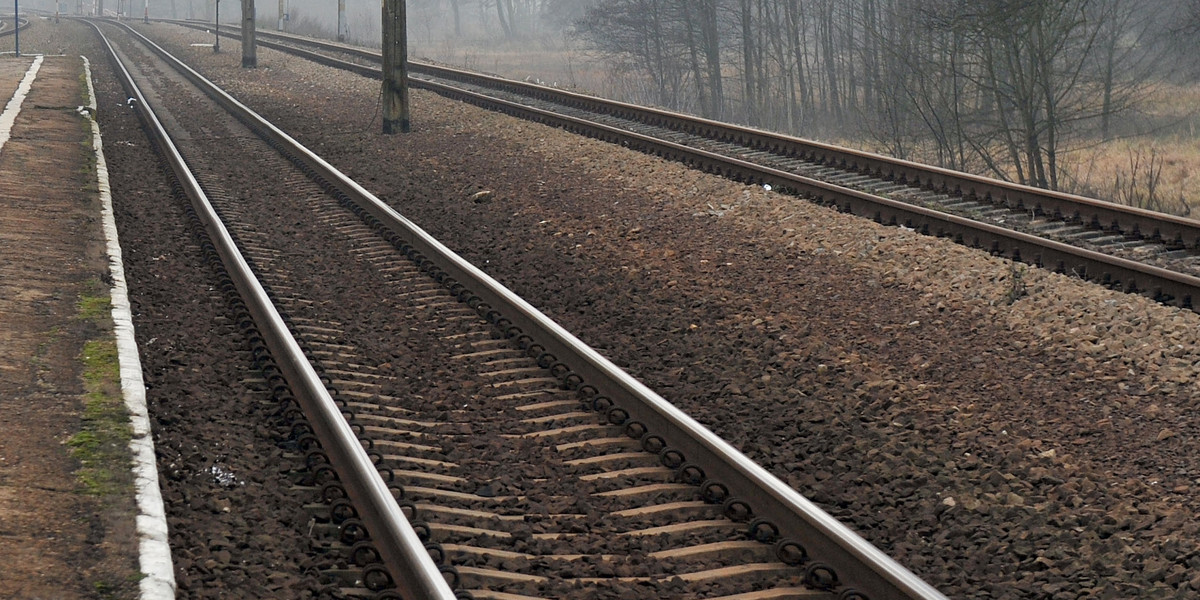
x: 413, y: 571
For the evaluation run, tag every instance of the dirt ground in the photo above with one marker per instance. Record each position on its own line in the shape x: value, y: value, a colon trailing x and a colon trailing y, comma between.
x: 56, y: 540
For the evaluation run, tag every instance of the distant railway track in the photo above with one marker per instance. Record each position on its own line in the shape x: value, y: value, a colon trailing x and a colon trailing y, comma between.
x: 1126, y: 248
x: 7, y: 29
x: 485, y: 486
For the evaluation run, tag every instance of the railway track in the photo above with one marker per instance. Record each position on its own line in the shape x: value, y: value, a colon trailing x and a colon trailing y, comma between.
x: 1125, y: 248
x: 455, y: 434
x: 6, y: 29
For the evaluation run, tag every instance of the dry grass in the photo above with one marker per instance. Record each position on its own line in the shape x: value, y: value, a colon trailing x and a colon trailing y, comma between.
x: 1178, y: 102
x: 552, y: 62
x: 1158, y: 174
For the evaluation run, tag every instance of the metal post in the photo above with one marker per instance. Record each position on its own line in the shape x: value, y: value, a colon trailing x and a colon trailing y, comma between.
x: 396, y: 117
x: 146, y: 11
x: 282, y: 14
x: 17, y: 25
x: 249, y: 54
x: 217, y: 20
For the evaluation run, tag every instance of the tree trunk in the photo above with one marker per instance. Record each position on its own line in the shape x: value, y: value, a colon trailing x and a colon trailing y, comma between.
x: 457, y: 17
x: 798, y: 41
x: 748, y: 64
x: 694, y: 55
x: 656, y: 38
x: 505, y: 22
x: 834, y: 105
x: 1107, y: 108
x: 712, y: 55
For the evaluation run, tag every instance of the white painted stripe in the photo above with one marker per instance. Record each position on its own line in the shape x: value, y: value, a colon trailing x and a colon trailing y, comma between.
x: 153, y: 548
x: 9, y: 116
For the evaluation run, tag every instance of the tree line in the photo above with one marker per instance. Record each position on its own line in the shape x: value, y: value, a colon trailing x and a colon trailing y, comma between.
x: 997, y: 86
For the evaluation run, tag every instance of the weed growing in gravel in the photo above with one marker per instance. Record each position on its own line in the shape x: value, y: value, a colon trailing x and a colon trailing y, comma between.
x: 1016, y: 283
x: 104, y: 588
x: 116, y: 588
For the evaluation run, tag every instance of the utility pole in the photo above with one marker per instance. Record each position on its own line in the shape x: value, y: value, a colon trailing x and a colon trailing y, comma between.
x: 217, y: 20
x: 249, y: 55
x: 396, y: 117
x: 17, y: 26
x: 282, y: 14
x: 146, y: 11
x: 341, y: 25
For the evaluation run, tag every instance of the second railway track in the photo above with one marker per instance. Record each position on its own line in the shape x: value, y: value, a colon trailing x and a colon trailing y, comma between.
x: 6, y: 29
x: 528, y: 466
x: 1135, y: 250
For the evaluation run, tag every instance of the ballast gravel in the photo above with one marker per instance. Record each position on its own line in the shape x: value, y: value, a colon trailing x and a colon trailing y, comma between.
x: 237, y: 527
x: 1003, y: 431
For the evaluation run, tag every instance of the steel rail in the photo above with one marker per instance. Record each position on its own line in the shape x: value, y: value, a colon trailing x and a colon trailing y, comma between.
x: 1164, y: 285
x: 857, y: 563
x: 403, y: 553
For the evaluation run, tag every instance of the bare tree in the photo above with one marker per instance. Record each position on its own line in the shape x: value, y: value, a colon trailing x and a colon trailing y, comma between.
x: 641, y: 32
x: 997, y: 86
x: 456, y: 8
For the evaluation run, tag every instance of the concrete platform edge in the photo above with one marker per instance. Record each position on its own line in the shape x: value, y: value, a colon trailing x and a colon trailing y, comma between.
x: 154, y: 551
x: 13, y: 108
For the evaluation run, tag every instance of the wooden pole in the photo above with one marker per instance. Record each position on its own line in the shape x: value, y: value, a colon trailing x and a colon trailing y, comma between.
x: 249, y: 52
x: 396, y: 116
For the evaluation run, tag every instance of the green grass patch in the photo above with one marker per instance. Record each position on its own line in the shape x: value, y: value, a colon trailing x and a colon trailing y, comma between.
x: 94, y: 307
x: 100, y: 365
x: 102, y: 444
